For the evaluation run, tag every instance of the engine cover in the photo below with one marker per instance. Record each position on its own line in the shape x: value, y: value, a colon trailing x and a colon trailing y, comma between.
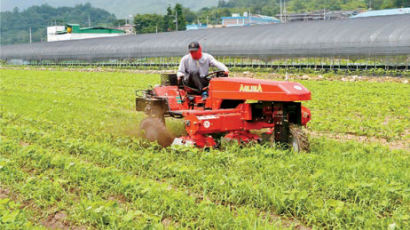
x: 257, y: 89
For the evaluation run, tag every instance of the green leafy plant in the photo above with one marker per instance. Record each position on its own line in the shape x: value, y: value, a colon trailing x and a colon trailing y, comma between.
x: 69, y: 144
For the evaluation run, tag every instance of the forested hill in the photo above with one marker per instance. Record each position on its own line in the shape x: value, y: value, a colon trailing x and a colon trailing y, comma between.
x: 121, y: 8
x: 15, y: 25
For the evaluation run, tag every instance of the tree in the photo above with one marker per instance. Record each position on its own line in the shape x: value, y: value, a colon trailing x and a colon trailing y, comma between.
x: 190, y: 16
x: 148, y: 23
x: 168, y: 24
x: 297, y: 6
x: 180, y: 16
x: 401, y: 3
x: 120, y: 22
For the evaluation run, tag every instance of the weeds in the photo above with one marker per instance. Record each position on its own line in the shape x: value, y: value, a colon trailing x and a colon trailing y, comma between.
x: 70, y: 148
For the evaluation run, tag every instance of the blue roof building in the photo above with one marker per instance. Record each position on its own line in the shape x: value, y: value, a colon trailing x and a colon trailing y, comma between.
x: 372, y: 13
x: 247, y: 20
x: 196, y: 26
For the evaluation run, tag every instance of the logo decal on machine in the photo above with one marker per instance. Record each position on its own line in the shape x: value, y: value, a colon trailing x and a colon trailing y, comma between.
x: 207, y: 124
x: 251, y: 88
x: 207, y: 117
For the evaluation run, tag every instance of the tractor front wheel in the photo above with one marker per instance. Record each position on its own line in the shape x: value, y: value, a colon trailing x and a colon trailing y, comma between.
x: 298, y: 140
x: 155, y: 130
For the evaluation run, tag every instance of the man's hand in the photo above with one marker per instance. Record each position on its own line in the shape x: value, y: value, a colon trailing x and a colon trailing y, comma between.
x: 226, y: 73
x: 179, y: 80
x: 179, y: 77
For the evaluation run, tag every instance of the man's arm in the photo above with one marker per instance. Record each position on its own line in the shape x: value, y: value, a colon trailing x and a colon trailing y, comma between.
x: 217, y: 64
x: 182, y: 69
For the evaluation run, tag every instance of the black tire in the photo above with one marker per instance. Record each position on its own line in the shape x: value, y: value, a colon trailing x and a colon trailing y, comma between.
x: 298, y: 140
x: 155, y: 130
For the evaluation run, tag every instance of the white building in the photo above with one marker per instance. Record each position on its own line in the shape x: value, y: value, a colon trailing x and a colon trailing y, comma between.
x: 74, y: 32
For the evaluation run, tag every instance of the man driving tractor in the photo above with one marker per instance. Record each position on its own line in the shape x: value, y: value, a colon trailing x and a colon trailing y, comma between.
x: 276, y: 107
x: 194, y: 68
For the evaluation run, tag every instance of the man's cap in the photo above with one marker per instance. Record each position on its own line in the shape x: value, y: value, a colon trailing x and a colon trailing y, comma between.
x: 193, y: 46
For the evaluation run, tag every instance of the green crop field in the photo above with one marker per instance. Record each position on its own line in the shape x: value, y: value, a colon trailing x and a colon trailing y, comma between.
x: 71, y: 157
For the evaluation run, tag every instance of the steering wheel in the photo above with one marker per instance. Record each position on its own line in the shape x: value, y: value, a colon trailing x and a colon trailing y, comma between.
x: 219, y: 73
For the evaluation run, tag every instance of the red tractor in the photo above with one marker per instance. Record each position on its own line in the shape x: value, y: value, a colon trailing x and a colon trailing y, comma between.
x: 234, y: 108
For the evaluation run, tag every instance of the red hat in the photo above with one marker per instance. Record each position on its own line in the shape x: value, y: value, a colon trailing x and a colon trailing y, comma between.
x: 195, y: 50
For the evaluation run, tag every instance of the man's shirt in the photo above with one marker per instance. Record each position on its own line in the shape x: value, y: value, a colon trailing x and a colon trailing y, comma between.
x: 189, y: 65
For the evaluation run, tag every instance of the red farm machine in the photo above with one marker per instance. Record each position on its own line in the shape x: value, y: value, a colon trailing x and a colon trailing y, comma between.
x: 237, y: 109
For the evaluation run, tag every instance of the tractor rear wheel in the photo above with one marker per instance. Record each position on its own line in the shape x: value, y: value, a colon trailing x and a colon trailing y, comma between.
x: 155, y: 130
x: 298, y: 140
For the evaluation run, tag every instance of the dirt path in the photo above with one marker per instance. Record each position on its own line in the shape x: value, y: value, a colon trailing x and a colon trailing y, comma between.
x: 397, y: 144
x: 4, y: 193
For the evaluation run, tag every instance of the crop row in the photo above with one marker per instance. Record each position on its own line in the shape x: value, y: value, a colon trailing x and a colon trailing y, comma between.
x: 13, y: 217
x: 310, y: 188
x: 80, y: 130
x: 362, y: 108
x: 106, y: 101
x: 55, y: 174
